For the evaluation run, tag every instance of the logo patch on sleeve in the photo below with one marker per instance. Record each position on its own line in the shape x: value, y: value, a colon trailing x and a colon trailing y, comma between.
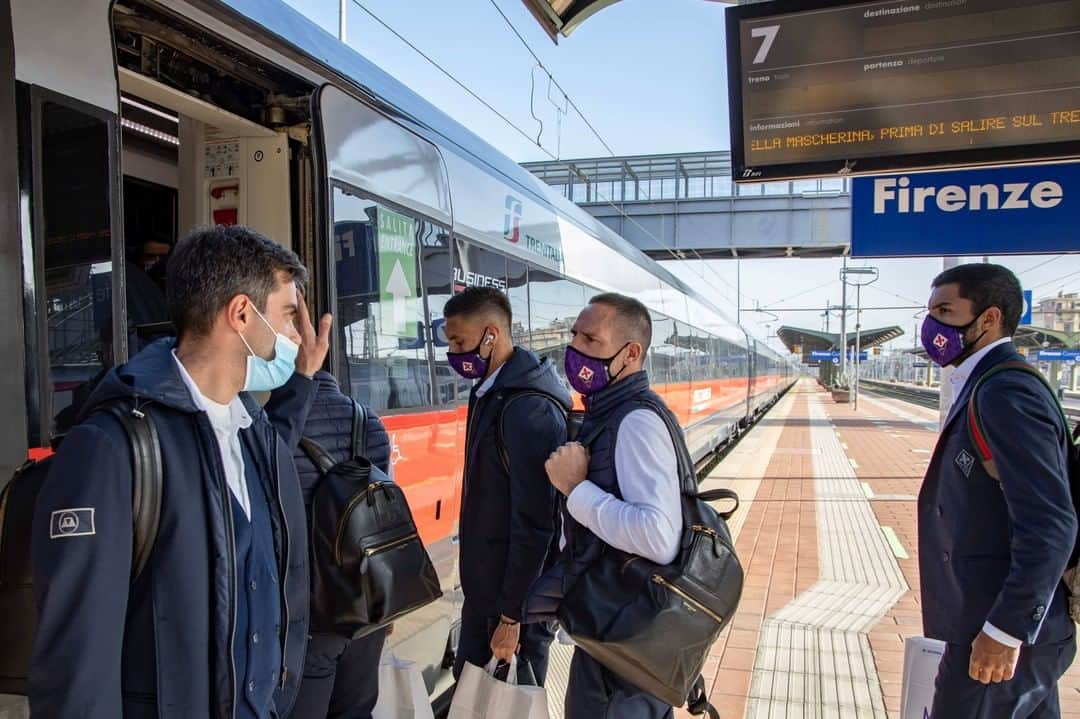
x: 72, y: 523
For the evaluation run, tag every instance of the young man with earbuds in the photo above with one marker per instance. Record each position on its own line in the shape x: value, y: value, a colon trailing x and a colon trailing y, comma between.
x: 508, y: 506
x: 215, y: 625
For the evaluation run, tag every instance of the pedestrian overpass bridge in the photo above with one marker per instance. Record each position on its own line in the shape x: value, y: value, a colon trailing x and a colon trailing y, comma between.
x: 686, y: 205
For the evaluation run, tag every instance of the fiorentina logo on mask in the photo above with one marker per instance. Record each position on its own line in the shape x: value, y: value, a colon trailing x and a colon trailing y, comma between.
x: 467, y: 366
x: 586, y: 375
x: 941, y: 341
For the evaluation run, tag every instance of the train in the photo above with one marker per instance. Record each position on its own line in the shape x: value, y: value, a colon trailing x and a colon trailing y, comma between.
x: 125, y: 123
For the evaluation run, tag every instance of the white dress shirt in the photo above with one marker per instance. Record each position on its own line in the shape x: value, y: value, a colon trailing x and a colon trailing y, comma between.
x: 959, y: 375
x: 958, y: 379
x: 227, y: 421
x: 486, y: 385
x: 647, y: 521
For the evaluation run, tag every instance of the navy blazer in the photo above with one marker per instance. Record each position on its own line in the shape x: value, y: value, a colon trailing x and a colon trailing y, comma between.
x: 993, y: 551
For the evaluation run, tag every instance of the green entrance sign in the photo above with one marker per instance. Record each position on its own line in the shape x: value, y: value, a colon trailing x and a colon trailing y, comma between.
x: 397, y: 274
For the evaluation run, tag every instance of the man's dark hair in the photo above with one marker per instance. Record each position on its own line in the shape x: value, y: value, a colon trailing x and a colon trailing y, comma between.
x: 212, y: 265
x: 988, y: 286
x: 633, y: 318
x: 474, y: 301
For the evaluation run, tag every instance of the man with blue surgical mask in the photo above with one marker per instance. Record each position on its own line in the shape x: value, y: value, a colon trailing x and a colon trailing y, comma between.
x: 216, y: 623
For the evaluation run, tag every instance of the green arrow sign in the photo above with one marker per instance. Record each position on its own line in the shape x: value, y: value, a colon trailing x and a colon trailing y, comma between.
x: 396, y: 241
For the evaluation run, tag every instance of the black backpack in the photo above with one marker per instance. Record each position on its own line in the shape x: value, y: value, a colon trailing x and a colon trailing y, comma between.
x: 369, y: 566
x: 17, y: 500
x: 573, y: 419
x: 651, y: 624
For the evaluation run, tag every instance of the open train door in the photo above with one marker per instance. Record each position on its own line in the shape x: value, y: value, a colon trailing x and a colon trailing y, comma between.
x: 12, y: 383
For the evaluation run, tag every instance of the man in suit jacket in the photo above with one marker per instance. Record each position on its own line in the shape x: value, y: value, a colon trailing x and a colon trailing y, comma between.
x: 992, y: 551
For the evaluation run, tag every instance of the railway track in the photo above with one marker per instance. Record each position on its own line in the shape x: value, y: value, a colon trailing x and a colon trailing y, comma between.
x: 928, y: 397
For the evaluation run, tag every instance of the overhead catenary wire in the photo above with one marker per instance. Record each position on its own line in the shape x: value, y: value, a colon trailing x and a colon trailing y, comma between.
x: 524, y: 134
x: 610, y: 151
x: 453, y: 79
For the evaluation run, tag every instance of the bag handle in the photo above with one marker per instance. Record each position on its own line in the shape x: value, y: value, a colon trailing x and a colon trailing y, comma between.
x: 975, y: 423
x: 511, y: 672
x: 317, y: 454
x: 718, y: 494
x: 359, y: 430
x: 697, y: 703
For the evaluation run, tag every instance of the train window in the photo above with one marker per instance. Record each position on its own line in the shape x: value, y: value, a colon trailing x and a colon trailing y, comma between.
x: 76, y: 229
x: 437, y: 281
x: 517, y: 289
x: 662, y: 356
x: 554, y: 304
x: 380, y: 307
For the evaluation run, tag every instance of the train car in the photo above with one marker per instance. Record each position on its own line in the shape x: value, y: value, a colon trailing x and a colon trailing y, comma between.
x: 124, y: 123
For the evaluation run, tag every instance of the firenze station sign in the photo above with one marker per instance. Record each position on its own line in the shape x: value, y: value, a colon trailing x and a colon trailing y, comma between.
x: 1023, y: 209
x: 823, y: 88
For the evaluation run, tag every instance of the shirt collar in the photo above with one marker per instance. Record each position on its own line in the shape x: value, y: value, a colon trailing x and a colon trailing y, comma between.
x: 487, y: 384
x: 237, y: 417
x: 959, y: 376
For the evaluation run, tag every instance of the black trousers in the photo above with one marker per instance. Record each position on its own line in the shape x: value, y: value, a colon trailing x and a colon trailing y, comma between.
x: 1032, y: 693
x: 341, y: 677
x: 474, y: 644
x: 595, y: 693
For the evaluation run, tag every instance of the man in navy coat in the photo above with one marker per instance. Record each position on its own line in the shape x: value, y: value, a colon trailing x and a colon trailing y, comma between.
x: 992, y: 551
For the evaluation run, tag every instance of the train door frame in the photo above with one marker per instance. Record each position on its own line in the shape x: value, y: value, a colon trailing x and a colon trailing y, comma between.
x: 13, y: 441
x: 39, y: 399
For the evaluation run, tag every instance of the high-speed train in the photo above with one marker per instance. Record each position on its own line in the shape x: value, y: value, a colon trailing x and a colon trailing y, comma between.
x: 125, y: 123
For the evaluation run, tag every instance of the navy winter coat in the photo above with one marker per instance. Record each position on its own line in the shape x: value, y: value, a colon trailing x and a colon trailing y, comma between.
x: 161, y: 647
x: 507, y: 518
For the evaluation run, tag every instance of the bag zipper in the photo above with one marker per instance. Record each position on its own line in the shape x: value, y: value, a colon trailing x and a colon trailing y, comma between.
x: 357, y: 498
x: 389, y: 545
x: 272, y: 448
x: 657, y: 579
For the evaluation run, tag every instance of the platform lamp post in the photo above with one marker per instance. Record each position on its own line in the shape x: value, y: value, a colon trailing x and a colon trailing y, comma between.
x: 862, y: 276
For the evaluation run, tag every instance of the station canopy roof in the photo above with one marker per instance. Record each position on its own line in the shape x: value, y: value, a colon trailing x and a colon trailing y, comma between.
x: 817, y: 341
x: 561, y: 17
x: 1029, y: 337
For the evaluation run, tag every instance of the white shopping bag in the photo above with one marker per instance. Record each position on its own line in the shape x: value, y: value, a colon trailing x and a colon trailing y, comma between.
x: 402, y: 694
x: 921, y: 659
x: 479, y: 695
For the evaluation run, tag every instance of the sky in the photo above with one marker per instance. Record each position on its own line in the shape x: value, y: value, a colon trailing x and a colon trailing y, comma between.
x: 650, y: 77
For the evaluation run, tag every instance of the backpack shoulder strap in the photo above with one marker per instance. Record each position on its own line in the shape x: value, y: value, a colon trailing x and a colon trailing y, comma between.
x: 147, y: 479
x: 687, y: 478
x: 500, y: 443
x: 975, y: 423
x: 317, y: 454
x: 359, y: 430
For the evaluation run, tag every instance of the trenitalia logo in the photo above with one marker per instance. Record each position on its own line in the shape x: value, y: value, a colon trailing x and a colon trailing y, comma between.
x: 512, y: 220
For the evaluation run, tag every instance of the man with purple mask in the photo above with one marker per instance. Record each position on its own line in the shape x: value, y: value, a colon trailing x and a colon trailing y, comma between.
x: 517, y: 417
x: 624, y: 490
x: 994, y: 536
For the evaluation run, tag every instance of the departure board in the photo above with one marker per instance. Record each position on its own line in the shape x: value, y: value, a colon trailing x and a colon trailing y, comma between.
x: 838, y: 87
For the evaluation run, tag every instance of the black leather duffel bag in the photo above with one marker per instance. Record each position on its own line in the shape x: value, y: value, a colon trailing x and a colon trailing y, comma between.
x: 653, y: 624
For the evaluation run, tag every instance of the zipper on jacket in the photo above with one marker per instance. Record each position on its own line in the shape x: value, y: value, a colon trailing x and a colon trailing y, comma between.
x: 389, y: 545
x: 230, y: 530
x: 3, y: 513
x: 657, y: 579
x: 276, y: 479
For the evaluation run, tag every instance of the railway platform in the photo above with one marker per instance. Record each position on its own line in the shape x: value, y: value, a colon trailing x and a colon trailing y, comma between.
x: 827, y: 535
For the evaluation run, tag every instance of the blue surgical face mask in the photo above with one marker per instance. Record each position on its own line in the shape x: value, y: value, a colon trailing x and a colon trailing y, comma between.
x: 264, y: 375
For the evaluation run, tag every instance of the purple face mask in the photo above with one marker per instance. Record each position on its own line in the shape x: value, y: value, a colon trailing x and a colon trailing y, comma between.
x: 944, y: 343
x: 588, y: 375
x: 471, y: 365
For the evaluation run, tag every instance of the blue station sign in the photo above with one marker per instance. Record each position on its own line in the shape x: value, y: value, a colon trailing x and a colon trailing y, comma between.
x: 816, y: 356
x: 1059, y: 355
x: 998, y: 211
